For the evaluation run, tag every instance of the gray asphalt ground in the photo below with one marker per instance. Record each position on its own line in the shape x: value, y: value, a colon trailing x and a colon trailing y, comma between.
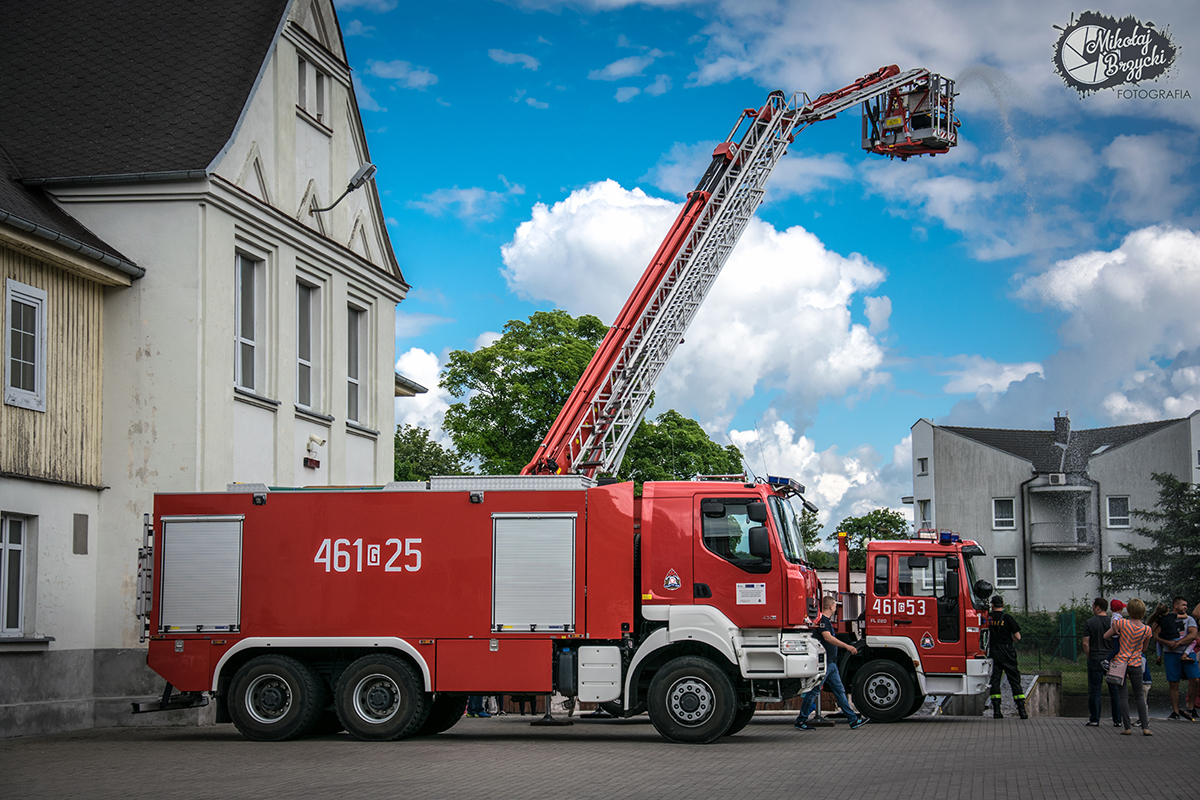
x: 503, y: 757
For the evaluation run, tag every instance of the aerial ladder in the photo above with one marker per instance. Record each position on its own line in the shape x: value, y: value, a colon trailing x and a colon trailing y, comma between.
x: 904, y: 114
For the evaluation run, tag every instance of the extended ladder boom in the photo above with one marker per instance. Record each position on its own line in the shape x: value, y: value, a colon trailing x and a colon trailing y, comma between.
x: 595, y: 425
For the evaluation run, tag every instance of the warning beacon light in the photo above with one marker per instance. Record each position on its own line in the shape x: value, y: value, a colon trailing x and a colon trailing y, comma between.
x: 785, y: 485
x: 948, y: 537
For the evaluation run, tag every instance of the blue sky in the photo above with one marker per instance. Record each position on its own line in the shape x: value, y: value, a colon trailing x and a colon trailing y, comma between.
x: 531, y: 155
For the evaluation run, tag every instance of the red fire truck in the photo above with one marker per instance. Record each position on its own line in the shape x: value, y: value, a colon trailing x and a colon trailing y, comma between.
x: 385, y: 608
x: 380, y: 610
x: 924, y: 624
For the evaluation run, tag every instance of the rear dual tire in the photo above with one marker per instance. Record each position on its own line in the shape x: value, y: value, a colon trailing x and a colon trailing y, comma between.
x: 275, y: 698
x: 379, y: 698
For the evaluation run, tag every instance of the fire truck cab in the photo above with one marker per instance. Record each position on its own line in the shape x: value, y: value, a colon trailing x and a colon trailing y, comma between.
x: 924, y: 623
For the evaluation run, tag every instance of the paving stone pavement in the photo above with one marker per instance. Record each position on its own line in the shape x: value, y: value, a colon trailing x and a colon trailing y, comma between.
x: 503, y: 757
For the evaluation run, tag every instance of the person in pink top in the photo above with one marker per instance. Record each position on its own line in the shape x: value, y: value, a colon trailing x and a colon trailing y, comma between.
x: 1132, y: 637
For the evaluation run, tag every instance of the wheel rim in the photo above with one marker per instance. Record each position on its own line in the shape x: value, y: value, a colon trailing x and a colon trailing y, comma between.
x: 691, y: 701
x: 268, y: 699
x: 377, y: 698
x: 883, y: 691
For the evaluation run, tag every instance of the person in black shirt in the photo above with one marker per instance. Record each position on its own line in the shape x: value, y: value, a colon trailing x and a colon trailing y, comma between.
x: 1095, y: 648
x: 832, y: 678
x: 1003, y: 634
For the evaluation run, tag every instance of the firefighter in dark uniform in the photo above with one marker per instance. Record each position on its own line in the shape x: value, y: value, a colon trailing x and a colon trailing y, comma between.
x: 1003, y: 633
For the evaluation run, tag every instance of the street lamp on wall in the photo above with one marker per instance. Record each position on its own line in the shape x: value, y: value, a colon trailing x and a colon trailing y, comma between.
x: 364, y: 174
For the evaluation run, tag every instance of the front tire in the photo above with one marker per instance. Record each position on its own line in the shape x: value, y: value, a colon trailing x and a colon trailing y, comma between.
x: 692, y: 701
x: 883, y: 691
x: 379, y: 698
x: 275, y: 698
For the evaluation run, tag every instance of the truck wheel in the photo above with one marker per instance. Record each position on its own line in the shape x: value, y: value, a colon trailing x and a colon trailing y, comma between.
x: 275, y: 698
x: 741, y: 719
x: 378, y: 698
x: 918, y: 701
x: 883, y: 691
x: 444, y: 712
x: 692, y: 701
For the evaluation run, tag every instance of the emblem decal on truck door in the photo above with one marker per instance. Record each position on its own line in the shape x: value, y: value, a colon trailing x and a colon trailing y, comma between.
x: 927, y: 641
x: 672, y: 581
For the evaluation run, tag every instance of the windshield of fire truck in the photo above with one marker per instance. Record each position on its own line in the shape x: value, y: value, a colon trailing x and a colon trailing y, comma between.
x: 787, y: 522
x: 972, y: 578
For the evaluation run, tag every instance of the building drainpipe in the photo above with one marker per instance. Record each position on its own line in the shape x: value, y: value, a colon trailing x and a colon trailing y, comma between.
x: 1099, y: 533
x: 1026, y: 546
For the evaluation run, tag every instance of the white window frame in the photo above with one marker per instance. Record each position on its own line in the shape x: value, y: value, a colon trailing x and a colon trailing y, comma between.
x: 34, y: 400
x: 320, y: 87
x: 302, y: 82
x: 9, y: 551
x: 1004, y: 523
x: 1114, y: 522
x: 313, y: 361
x: 924, y: 514
x: 257, y: 383
x: 1009, y: 583
x: 356, y: 364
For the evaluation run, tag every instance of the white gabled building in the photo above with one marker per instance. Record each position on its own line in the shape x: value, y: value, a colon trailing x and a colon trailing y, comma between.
x: 258, y: 346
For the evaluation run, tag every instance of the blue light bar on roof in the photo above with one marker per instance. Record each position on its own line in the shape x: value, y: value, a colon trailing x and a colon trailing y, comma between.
x: 785, y: 483
x: 948, y: 537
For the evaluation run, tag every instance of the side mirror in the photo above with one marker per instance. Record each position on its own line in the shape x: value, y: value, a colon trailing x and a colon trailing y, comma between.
x: 757, y: 512
x: 982, y: 589
x: 760, y: 542
x: 918, y: 562
x: 952, y: 585
x: 951, y: 562
x: 712, y: 508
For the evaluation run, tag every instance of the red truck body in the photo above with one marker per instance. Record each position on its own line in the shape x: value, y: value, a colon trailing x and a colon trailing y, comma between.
x: 518, y: 585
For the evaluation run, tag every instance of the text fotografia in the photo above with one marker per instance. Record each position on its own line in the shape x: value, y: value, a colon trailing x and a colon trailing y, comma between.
x: 1097, y: 52
x: 1153, y: 94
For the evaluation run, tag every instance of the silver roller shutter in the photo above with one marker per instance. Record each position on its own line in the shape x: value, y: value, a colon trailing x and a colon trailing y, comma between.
x: 533, y: 572
x: 201, y: 573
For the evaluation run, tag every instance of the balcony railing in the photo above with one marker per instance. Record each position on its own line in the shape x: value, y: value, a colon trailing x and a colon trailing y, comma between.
x: 1061, y: 537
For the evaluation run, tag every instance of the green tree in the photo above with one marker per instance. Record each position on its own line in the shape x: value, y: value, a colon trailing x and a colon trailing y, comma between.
x: 418, y: 456
x: 513, y: 389
x: 882, y: 523
x: 674, y: 448
x: 1170, y: 565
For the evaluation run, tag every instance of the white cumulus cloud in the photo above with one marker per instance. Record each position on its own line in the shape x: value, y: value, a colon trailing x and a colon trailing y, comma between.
x: 776, y: 319
x: 505, y: 57
x: 424, y: 410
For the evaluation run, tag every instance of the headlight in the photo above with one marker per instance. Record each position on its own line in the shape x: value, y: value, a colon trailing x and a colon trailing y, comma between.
x: 794, y: 647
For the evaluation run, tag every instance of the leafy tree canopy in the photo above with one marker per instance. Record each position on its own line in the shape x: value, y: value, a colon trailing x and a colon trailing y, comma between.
x: 418, y: 457
x: 513, y: 389
x: 676, y: 448
x: 882, y: 523
x: 1170, y: 565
